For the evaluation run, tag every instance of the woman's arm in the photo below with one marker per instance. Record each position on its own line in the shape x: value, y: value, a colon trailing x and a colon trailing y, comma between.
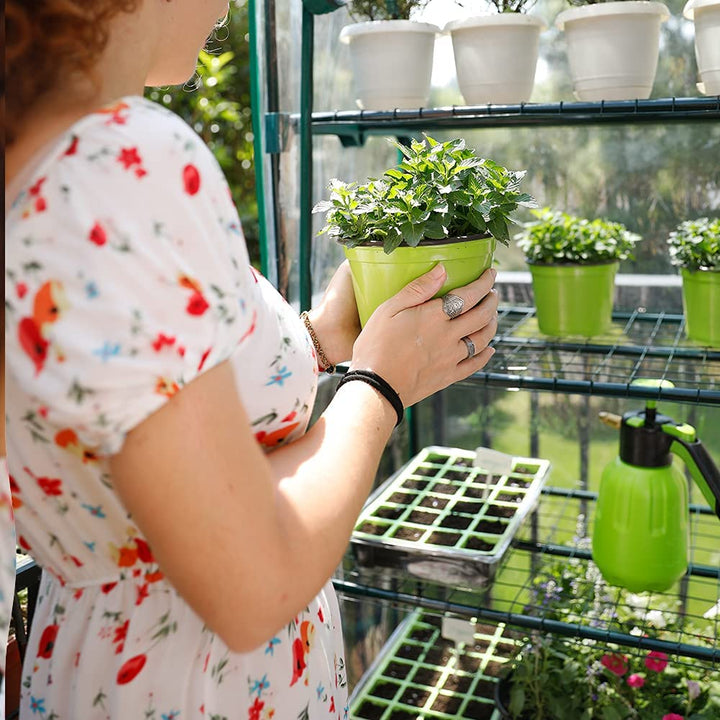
x: 274, y: 528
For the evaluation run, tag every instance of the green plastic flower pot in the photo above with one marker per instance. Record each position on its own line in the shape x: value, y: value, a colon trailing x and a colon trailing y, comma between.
x: 701, y: 299
x: 574, y: 299
x: 377, y: 276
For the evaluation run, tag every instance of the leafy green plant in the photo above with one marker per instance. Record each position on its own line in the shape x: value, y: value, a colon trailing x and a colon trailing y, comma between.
x: 557, y: 238
x: 590, y: 2
x: 695, y: 244
x: 360, y: 10
x: 560, y: 678
x: 439, y: 190
x: 507, y: 6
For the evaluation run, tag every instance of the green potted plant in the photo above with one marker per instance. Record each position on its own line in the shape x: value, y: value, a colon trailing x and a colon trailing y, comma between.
x: 442, y: 203
x: 391, y: 55
x: 496, y: 53
x: 561, y: 678
x: 695, y: 248
x: 612, y: 47
x: 573, y: 262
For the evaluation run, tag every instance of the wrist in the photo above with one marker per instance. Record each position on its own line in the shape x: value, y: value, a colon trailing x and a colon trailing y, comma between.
x: 324, y: 363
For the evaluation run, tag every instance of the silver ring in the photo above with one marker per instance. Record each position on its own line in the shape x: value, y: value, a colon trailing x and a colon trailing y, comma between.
x: 452, y: 305
x: 470, y: 345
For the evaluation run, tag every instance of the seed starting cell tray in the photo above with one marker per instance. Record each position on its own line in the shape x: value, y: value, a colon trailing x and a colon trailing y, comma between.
x: 441, y: 518
x: 421, y: 675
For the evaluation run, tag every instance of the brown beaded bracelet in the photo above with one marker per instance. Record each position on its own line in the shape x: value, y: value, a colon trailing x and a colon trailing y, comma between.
x: 326, y: 365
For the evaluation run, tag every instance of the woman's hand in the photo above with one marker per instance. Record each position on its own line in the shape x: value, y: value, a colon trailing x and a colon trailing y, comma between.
x: 412, y: 343
x: 335, y: 320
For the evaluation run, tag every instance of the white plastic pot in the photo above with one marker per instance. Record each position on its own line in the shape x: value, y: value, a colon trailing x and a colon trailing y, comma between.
x: 391, y: 62
x: 613, y: 48
x: 706, y: 16
x: 496, y: 57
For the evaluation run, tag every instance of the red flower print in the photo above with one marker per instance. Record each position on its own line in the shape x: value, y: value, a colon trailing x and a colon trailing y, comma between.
x: 50, y: 486
x: 320, y: 615
x: 332, y: 705
x: 98, y: 235
x: 35, y: 189
x: 161, y: 341
x: 115, y: 113
x: 21, y: 290
x: 166, y: 387
x: 77, y: 561
x: 656, y: 661
x: 616, y: 664
x: 127, y: 556
x: 129, y: 157
x: 23, y: 543
x: 40, y: 205
x: 107, y: 587
x: 72, y: 149
x: 120, y: 635
x: 140, y: 172
x: 78, y: 594
x: 635, y: 680
x: 43, y: 411
x: 203, y: 359
x: 298, y: 651
x: 289, y: 417
x: 141, y: 594
x: 130, y: 670
x: 33, y: 343
x: 274, y: 439
x: 197, y: 304
x: 144, y: 552
x: 47, y: 641
x: 254, y: 709
x: 191, y: 179
x: 154, y: 577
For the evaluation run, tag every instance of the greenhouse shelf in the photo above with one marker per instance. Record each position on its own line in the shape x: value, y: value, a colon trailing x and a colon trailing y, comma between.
x: 354, y: 126
x: 420, y: 674
x: 552, y: 534
x: 639, y: 345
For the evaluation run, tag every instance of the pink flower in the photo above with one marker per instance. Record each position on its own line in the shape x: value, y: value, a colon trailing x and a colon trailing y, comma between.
x: 636, y: 681
x: 616, y: 664
x: 673, y: 716
x: 656, y: 661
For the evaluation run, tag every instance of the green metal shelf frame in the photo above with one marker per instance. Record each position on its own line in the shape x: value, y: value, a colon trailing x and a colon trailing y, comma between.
x: 352, y: 127
x: 413, y: 592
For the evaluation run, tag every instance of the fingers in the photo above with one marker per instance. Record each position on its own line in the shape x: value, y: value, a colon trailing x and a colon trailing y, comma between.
x: 480, y: 339
x: 472, y: 293
x: 418, y: 291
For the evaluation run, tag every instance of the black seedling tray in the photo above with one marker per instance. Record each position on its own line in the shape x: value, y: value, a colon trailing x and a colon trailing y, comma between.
x: 419, y: 674
x: 443, y: 519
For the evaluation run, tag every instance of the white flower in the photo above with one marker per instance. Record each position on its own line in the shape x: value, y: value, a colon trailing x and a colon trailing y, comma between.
x: 639, y: 602
x: 636, y: 631
x: 656, y: 619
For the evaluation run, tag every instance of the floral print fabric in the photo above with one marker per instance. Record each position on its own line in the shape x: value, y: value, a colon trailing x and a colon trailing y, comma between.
x: 127, y: 276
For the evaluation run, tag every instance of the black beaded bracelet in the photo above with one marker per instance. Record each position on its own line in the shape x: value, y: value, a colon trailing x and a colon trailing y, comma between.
x: 381, y: 385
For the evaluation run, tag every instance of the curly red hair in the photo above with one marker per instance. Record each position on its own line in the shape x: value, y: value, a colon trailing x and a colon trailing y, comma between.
x: 46, y: 38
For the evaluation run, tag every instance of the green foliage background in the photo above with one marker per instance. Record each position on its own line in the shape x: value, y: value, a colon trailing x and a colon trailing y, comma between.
x: 216, y: 104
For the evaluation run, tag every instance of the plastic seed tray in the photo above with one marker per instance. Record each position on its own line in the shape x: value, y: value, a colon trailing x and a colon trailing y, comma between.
x: 419, y: 674
x: 443, y: 519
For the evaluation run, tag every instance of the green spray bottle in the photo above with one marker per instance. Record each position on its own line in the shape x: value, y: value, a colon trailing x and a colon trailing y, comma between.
x: 640, y: 535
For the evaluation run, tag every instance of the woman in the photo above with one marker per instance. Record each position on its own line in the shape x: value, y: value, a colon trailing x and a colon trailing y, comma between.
x: 150, y: 374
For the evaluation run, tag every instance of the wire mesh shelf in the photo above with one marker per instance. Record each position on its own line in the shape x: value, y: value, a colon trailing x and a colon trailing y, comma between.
x: 639, y: 345
x: 551, y: 539
x: 353, y: 126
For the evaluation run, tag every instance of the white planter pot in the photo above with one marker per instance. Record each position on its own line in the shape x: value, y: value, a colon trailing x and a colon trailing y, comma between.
x: 496, y: 57
x: 613, y: 48
x: 391, y: 62
x: 706, y: 16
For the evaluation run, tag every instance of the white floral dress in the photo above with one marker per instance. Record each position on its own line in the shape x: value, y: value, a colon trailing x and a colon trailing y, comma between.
x: 127, y: 276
